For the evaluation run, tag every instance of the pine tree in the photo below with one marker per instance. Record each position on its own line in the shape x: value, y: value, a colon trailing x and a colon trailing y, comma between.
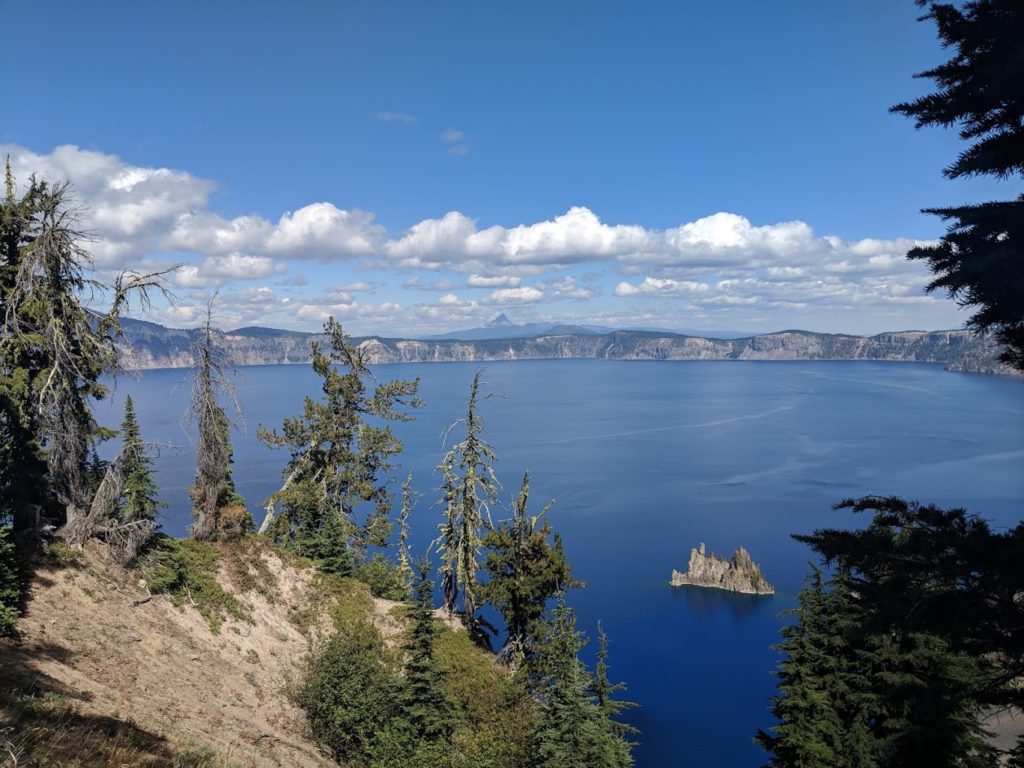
x: 423, y: 701
x: 10, y: 583
x: 53, y: 354
x: 404, y: 563
x: 573, y: 732
x: 339, y: 462
x: 525, y: 569
x: 448, y: 540
x: 24, y: 491
x: 329, y: 548
x: 214, y: 488
x: 981, y: 88
x: 139, y: 502
x: 609, y: 706
x: 470, y: 487
x: 812, y: 691
x: 891, y: 661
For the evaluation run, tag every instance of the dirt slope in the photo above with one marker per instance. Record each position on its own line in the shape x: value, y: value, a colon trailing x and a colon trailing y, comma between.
x: 91, y: 637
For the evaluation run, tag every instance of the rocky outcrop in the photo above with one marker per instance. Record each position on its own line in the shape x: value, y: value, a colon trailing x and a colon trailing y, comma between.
x: 148, y: 345
x: 740, y: 574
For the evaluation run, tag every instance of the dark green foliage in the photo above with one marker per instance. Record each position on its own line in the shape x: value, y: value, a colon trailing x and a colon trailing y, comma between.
x: 526, y: 567
x: 424, y: 704
x: 980, y: 261
x: 383, y: 577
x: 138, y: 494
x: 449, y: 706
x: 10, y: 582
x: 573, y: 731
x: 187, y: 570
x: 823, y: 696
x: 329, y: 550
x: 349, y: 694
x: 53, y: 353
x: 604, y: 692
x: 496, y: 712
x: 891, y: 661
x: 340, y: 457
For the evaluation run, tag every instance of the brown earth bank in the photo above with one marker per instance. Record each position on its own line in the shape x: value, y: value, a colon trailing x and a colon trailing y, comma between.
x: 105, y: 674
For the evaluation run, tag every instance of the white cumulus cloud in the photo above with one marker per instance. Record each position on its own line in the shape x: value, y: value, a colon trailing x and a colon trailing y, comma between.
x: 493, y: 281
x: 508, y: 296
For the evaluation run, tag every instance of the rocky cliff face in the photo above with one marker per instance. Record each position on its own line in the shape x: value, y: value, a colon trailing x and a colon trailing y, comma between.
x: 740, y: 574
x: 147, y: 345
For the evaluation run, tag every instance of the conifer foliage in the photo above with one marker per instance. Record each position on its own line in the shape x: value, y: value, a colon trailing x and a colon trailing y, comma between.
x: 341, y: 452
x: 574, y: 731
x: 138, y: 493
x: 124, y: 501
x: 53, y: 353
x: 425, y: 706
x: 892, y: 661
x: 823, y: 697
x: 980, y: 260
x: 470, y: 487
x: 409, y: 497
x: 526, y: 567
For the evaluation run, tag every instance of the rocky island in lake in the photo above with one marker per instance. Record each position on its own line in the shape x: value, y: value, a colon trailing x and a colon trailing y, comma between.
x: 740, y: 574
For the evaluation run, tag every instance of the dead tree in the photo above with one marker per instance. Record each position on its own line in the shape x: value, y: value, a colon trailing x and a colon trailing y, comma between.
x: 211, y: 383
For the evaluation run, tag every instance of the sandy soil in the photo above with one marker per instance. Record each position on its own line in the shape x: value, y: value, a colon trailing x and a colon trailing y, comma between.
x: 91, y: 634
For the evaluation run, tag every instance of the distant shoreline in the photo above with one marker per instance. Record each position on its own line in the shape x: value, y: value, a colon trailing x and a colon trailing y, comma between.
x: 290, y: 364
x: 149, y: 346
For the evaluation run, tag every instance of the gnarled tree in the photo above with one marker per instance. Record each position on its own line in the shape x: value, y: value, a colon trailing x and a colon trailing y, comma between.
x: 53, y: 352
x: 526, y: 567
x: 341, y: 449
x: 214, y: 489
x: 469, y: 487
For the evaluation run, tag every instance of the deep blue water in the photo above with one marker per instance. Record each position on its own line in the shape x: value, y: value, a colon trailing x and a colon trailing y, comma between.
x: 645, y: 460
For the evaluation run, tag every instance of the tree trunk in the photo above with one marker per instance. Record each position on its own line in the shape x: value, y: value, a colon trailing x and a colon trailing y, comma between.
x: 268, y: 518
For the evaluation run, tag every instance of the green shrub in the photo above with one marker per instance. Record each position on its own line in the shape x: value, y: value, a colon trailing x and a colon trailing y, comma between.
x: 345, y: 600
x: 384, y: 578
x: 60, y: 555
x: 187, y: 571
x: 10, y: 583
x: 248, y: 570
x: 349, y: 694
x: 497, y: 713
x: 234, y: 522
x: 200, y: 757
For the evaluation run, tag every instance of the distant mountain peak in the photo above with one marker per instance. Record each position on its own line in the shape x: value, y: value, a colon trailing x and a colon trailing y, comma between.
x: 501, y: 321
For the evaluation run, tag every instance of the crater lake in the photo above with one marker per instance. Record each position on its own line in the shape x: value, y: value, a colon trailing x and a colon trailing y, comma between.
x: 644, y: 461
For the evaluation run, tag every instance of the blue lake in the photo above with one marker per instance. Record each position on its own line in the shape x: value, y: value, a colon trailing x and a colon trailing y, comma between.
x: 645, y: 460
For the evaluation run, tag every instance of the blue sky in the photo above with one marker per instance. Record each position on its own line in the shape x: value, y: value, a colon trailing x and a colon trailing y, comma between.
x: 415, y: 168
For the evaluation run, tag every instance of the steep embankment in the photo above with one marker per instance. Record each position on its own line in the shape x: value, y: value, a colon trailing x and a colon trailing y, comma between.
x: 106, y: 674
x: 148, y: 345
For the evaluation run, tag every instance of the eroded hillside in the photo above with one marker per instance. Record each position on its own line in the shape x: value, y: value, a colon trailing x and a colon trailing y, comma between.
x: 105, y: 673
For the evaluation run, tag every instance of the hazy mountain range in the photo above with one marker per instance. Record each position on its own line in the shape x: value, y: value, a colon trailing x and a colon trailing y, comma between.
x: 503, y: 328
